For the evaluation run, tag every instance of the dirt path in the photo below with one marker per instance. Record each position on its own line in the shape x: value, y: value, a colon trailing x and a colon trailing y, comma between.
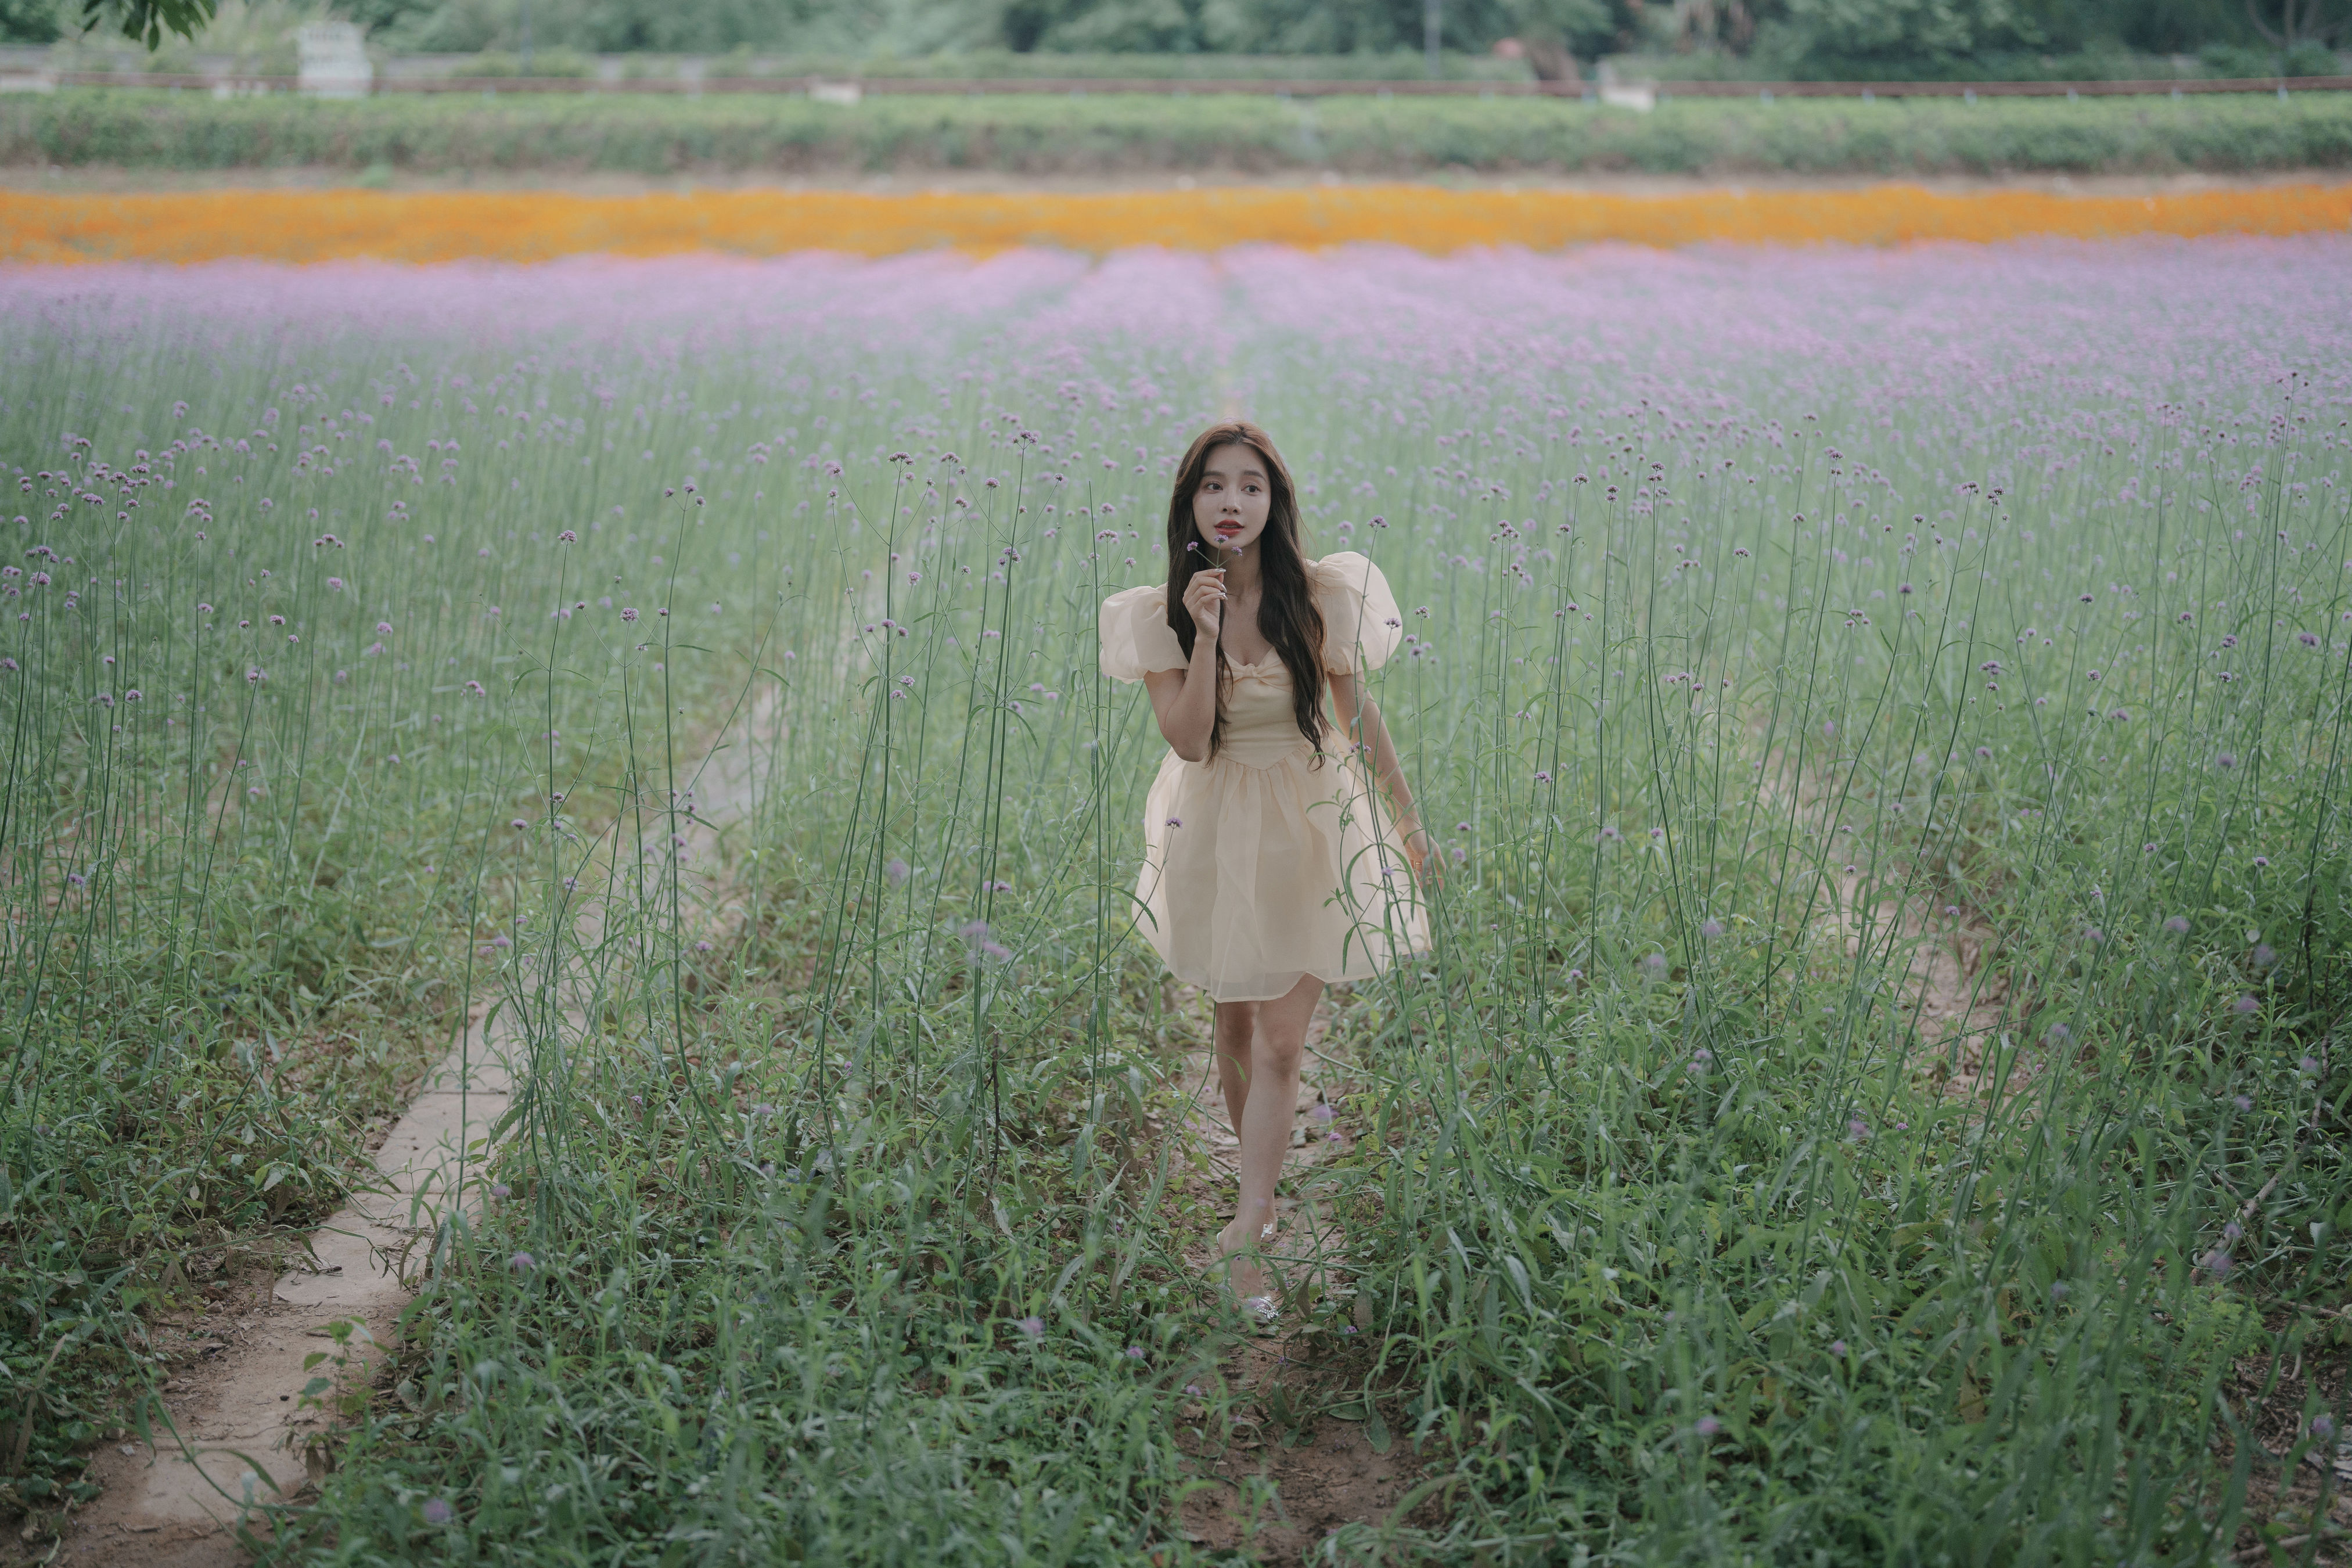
x: 245, y: 1433
x: 244, y: 1428
x: 1941, y: 959
x: 1293, y: 1472
x: 1941, y: 956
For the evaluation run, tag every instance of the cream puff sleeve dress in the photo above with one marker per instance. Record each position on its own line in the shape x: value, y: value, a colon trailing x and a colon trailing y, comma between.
x: 1272, y: 860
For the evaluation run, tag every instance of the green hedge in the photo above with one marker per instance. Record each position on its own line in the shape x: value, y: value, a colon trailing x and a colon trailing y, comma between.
x: 1112, y: 134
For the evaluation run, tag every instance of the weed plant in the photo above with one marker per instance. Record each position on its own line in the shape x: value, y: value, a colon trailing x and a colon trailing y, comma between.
x: 1877, y: 1091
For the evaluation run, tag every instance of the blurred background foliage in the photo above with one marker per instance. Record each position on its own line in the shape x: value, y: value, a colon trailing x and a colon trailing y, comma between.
x: 1856, y: 39
x: 1760, y: 39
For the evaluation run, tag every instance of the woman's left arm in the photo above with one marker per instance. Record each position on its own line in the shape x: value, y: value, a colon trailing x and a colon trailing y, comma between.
x: 1368, y: 737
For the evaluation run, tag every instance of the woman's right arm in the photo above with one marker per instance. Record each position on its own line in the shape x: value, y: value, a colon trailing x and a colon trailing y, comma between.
x: 1186, y: 699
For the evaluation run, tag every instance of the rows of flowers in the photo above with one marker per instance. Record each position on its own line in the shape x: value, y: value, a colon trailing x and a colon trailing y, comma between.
x: 302, y: 226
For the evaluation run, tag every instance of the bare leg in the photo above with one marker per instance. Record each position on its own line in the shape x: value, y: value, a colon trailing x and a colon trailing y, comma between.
x: 1261, y: 1097
x: 1236, y: 1026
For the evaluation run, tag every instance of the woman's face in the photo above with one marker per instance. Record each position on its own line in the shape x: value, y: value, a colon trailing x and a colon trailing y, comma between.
x: 1229, y: 509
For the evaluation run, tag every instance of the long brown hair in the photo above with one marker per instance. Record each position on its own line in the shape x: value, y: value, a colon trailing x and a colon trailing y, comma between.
x: 1287, y: 614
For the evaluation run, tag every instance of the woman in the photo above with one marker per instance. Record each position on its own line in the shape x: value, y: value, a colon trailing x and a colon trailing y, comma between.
x: 1269, y: 869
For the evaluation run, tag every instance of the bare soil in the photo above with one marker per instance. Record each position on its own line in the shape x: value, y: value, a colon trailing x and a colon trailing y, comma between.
x: 1275, y: 1490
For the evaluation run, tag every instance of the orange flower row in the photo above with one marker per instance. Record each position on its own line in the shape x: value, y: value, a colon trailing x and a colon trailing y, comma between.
x: 281, y: 226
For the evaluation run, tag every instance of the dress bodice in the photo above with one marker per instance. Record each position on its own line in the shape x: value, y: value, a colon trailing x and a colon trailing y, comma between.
x: 1260, y: 728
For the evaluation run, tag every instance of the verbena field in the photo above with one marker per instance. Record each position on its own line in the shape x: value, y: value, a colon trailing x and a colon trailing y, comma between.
x: 1879, y: 1094
x: 1113, y: 134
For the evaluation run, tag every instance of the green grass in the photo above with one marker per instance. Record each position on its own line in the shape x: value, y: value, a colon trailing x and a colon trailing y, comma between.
x: 1755, y: 605
x: 1112, y: 135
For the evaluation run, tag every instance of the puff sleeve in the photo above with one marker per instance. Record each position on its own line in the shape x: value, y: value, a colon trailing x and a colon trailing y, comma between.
x: 1362, y: 623
x: 1136, y: 637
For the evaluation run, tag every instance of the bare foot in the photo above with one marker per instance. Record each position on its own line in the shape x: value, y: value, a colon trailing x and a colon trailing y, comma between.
x: 1238, y: 1255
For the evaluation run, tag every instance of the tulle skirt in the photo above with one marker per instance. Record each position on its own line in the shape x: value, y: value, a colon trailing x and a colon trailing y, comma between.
x: 1256, y: 876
